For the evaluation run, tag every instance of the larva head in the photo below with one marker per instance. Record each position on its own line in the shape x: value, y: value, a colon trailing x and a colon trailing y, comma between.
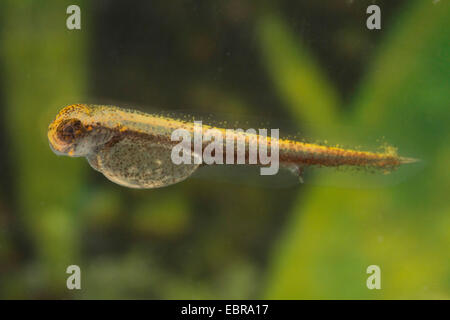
x: 68, y: 132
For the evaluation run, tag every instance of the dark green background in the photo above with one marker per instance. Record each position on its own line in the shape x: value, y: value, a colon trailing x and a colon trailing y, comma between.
x: 312, y: 62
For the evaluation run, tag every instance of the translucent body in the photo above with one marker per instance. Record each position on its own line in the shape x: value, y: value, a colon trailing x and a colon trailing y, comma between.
x: 130, y: 148
x: 134, y: 149
x: 138, y: 163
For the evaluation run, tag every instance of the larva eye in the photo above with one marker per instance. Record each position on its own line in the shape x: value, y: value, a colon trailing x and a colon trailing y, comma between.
x: 69, y: 130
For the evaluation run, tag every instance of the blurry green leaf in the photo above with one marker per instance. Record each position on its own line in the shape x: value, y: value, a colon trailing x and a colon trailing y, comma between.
x: 301, y: 83
x: 44, y: 69
x: 336, y: 233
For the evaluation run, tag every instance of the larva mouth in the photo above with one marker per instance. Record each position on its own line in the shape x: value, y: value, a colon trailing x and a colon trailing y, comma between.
x: 60, y: 150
